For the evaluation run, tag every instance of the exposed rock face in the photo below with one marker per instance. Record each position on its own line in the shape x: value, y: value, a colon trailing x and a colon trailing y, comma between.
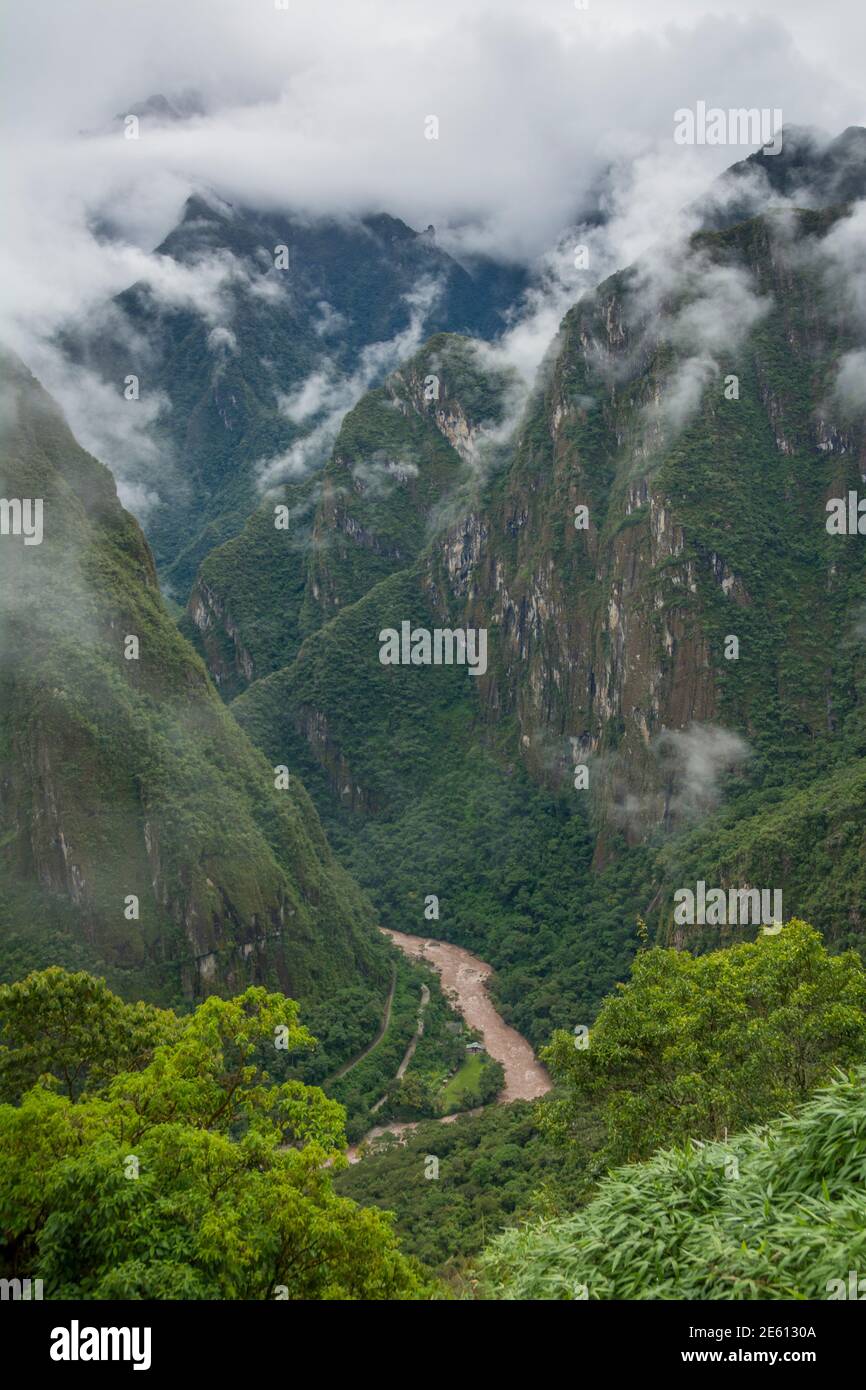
x: 213, y: 621
x: 610, y: 634
x: 650, y: 552
x: 665, y: 608
x: 313, y: 726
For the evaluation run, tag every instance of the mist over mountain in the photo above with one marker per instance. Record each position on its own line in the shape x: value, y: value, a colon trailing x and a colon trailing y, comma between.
x: 432, y: 681
x: 608, y: 642
x: 115, y: 747
x: 257, y: 332
x: 811, y: 170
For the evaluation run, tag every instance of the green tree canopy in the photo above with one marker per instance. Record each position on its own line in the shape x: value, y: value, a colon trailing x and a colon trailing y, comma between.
x: 194, y: 1176
x: 693, y: 1046
x: 74, y: 1028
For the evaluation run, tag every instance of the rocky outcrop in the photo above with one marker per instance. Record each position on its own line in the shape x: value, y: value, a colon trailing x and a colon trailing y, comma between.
x: 217, y: 628
x: 649, y: 548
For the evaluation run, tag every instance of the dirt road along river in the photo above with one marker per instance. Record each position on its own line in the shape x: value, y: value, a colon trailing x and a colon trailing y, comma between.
x: 464, y: 977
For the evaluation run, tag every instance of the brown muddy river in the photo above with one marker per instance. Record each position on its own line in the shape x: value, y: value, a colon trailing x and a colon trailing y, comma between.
x: 464, y: 979
x: 463, y: 976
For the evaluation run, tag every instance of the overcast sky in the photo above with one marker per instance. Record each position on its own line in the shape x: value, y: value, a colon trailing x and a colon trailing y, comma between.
x: 322, y: 106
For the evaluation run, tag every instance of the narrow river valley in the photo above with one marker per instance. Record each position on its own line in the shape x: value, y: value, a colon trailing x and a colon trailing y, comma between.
x: 464, y: 979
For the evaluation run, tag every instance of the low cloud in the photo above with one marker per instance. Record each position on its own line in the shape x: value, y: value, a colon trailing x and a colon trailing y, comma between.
x: 379, y: 476
x: 849, y: 388
x: 124, y: 434
x: 222, y: 339
x: 684, y: 782
x: 841, y: 258
x: 541, y: 111
x: 326, y: 396
x: 550, y: 118
x: 703, y: 310
x: 695, y: 761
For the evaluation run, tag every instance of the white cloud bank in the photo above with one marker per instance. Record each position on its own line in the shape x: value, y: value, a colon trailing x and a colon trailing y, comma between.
x: 323, y: 107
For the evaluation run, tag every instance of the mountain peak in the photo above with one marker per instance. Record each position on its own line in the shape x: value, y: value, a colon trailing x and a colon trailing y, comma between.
x: 811, y: 169
x: 158, y: 107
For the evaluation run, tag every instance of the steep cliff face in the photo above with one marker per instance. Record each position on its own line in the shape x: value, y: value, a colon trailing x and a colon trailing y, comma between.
x: 668, y: 493
x: 652, y: 563
x: 664, y: 493
x: 406, y: 459
x: 228, y: 660
x: 264, y: 332
x: 687, y: 430
x: 135, y: 819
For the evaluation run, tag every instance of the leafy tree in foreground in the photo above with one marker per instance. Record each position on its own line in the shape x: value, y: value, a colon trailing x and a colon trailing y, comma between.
x: 773, y: 1214
x: 74, y: 1028
x: 192, y: 1177
x: 694, y: 1046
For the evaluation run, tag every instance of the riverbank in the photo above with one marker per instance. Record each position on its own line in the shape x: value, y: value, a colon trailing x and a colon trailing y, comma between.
x: 464, y: 977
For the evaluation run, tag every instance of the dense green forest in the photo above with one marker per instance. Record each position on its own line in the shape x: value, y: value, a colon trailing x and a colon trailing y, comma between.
x: 690, y: 1050
x: 730, y: 771
x: 218, y: 1078
x: 152, y: 1157
x: 491, y: 1169
x: 776, y: 1212
x: 730, y: 1075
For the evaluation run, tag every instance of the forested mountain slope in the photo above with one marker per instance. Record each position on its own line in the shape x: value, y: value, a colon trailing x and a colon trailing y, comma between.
x: 667, y: 490
x: 257, y: 327
x: 139, y: 829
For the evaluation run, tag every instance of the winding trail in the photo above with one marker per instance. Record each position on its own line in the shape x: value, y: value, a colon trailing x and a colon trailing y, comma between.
x: 410, y: 1050
x: 464, y: 978
x: 464, y: 975
x: 386, y: 1019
